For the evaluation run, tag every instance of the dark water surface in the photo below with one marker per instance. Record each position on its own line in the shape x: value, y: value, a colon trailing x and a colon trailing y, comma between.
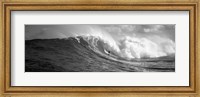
x: 72, y: 55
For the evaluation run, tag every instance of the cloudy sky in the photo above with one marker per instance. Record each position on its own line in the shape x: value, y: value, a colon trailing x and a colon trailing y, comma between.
x: 134, y: 41
x: 116, y: 31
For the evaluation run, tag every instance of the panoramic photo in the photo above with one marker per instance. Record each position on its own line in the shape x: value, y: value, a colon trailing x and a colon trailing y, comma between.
x: 100, y: 48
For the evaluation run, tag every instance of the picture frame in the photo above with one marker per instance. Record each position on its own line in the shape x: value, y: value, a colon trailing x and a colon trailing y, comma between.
x: 119, y: 5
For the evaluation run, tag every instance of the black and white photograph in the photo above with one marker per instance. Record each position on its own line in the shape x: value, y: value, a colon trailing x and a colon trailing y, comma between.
x: 100, y: 48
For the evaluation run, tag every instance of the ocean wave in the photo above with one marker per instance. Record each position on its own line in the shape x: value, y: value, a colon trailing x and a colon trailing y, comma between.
x: 127, y: 47
x: 75, y: 54
x: 130, y: 48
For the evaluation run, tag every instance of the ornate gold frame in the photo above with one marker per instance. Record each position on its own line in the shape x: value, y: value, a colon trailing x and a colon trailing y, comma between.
x: 181, y: 91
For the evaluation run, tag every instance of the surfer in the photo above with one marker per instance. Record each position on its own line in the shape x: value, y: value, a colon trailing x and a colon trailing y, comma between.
x: 108, y: 52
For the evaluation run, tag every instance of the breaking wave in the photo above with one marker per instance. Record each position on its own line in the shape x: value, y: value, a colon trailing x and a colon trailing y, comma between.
x: 130, y: 48
x: 127, y: 47
x: 92, y: 53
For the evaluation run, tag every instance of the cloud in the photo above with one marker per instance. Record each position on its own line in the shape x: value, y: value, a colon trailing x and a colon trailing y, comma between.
x: 153, y: 28
x: 128, y: 28
x: 113, y: 29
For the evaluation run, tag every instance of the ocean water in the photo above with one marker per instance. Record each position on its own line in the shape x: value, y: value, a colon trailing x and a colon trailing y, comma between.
x: 88, y: 54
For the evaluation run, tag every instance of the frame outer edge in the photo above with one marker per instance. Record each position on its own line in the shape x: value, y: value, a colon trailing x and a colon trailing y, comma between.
x: 2, y: 91
x: 8, y: 39
x: 198, y: 51
x: 1, y: 50
x: 197, y: 55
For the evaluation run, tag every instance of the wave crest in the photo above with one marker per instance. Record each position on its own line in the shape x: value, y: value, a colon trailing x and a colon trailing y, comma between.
x: 145, y: 48
x: 130, y: 47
